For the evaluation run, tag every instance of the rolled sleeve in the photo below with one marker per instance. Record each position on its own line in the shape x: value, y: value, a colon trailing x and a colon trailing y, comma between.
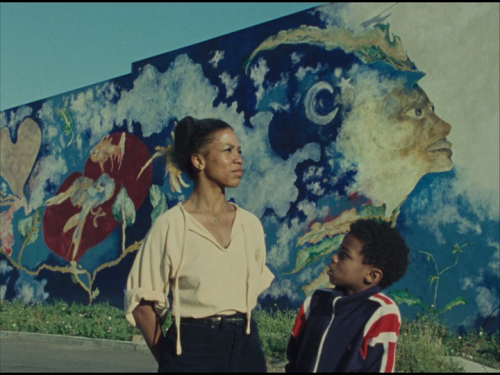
x: 148, y: 277
x: 266, y: 276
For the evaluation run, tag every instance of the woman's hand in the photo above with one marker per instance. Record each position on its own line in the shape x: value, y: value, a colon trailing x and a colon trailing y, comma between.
x: 148, y: 323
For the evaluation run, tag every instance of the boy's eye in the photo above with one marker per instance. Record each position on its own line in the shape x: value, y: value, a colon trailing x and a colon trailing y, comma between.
x: 342, y: 255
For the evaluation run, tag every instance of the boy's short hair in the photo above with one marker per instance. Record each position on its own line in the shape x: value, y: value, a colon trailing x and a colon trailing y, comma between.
x: 383, y: 247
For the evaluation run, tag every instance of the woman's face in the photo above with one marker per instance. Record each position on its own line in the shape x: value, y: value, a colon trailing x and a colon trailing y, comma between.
x: 222, y: 160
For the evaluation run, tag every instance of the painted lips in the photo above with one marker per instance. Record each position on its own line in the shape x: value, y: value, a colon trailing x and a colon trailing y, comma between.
x: 441, y: 145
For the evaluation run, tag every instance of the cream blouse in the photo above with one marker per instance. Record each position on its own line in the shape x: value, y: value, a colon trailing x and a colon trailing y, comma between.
x: 180, y: 255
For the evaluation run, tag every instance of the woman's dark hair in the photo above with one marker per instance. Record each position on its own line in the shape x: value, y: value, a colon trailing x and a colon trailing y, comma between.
x: 190, y: 136
x: 383, y: 247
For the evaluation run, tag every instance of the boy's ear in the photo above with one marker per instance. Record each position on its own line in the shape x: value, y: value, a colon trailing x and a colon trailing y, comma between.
x: 374, y: 276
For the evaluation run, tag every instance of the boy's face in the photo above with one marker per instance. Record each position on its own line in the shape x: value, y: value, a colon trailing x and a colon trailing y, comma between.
x: 347, y: 269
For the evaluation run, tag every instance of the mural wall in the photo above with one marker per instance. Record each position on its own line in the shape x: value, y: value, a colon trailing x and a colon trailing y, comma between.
x: 343, y: 111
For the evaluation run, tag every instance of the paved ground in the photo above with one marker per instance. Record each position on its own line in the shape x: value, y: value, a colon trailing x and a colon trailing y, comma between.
x: 25, y: 352
x: 34, y: 352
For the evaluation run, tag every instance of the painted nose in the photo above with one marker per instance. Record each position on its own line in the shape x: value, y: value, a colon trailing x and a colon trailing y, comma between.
x: 334, y: 258
x: 439, y: 126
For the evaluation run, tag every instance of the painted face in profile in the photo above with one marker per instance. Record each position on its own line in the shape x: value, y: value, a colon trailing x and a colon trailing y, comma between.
x: 413, y: 130
x: 391, y: 138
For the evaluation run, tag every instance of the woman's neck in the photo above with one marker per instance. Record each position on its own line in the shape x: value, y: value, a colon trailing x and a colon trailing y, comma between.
x: 209, y: 200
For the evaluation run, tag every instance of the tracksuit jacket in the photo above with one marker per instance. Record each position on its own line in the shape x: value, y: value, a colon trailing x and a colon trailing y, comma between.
x: 338, y: 333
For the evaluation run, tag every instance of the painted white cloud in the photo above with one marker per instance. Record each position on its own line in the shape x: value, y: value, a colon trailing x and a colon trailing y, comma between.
x: 494, y: 264
x: 5, y: 268
x: 446, y: 200
x: 91, y: 110
x: 257, y: 74
x: 296, y: 57
x: 229, y: 83
x: 486, y: 301
x: 301, y: 71
x: 47, y: 169
x: 49, y: 130
x: 218, y: 56
x: 29, y: 291
x: 279, y: 254
x: 310, y: 274
x: 282, y: 288
x: 182, y: 90
x: 16, y: 116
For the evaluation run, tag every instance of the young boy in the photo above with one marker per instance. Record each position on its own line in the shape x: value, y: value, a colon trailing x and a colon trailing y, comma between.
x: 353, y: 327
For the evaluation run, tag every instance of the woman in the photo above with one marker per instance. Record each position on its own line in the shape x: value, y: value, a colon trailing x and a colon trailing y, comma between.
x: 210, y: 255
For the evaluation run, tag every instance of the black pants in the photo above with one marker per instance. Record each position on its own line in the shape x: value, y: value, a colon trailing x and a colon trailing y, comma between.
x: 223, y: 347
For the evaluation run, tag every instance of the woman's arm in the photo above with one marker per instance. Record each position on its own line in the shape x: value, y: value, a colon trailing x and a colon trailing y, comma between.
x: 149, y: 324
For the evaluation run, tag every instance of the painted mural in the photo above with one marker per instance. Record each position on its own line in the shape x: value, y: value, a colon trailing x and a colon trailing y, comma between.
x: 343, y: 111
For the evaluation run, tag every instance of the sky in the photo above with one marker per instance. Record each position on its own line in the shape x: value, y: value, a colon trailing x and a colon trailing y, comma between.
x: 41, y: 44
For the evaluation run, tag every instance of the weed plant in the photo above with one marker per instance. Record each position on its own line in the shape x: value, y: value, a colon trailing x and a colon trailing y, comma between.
x: 421, y: 348
x: 424, y: 344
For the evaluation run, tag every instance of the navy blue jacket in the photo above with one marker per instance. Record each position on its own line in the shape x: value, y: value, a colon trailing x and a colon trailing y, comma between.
x: 338, y: 333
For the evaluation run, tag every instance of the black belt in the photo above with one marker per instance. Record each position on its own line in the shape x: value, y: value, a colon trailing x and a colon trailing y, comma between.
x: 237, y: 318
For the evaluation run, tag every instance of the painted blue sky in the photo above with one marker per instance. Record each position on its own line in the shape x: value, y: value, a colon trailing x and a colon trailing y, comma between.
x: 42, y: 43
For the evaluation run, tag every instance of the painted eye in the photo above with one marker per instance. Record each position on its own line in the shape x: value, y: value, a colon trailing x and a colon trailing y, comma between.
x: 415, y: 113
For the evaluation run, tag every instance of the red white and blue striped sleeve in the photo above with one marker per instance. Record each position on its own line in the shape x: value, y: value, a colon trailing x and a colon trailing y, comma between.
x: 380, y: 335
x: 301, y: 318
x: 295, y: 337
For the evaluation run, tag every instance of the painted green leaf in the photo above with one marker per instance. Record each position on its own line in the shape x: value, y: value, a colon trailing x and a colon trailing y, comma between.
x: 94, y: 294
x: 68, y: 122
x: 427, y: 255
x: 457, y: 248
x: 158, y: 201
x: 371, y: 211
x: 123, y: 208
x: 457, y: 301
x: 29, y: 228
x: 155, y: 195
x: 66, y: 118
x: 311, y: 254
x: 404, y: 296
x: 432, y: 279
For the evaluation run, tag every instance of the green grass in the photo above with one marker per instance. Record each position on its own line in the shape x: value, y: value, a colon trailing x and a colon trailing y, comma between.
x: 423, y: 344
x: 98, y: 321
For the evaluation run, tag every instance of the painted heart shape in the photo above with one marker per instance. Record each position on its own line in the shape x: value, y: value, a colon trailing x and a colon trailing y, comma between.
x: 79, y: 216
x: 17, y: 159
